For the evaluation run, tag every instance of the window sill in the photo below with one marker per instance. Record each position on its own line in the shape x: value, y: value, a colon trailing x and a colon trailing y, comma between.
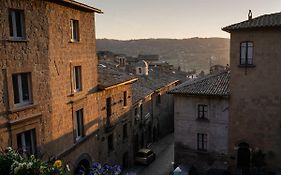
x: 74, y: 93
x: 202, y: 120
x: 125, y: 107
x: 247, y: 65
x: 78, y: 139
x: 74, y: 41
x: 21, y: 108
x: 24, y: 40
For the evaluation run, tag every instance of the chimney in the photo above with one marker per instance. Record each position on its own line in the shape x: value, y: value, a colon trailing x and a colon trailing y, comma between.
x: 250, y: 15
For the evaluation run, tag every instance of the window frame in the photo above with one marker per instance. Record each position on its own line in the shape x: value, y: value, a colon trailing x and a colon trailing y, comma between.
x: 202, y: 142
x: 22, y: 137
x: 247, y: 50
x: 79, y: 124
x: 13, y: 24
x: 77, y: 80
x: 108, y: 110
x: 202, y: 109
x: 139, y: 70
x: 125, y: 96
x: 19, y: 88
x: 75, y: 35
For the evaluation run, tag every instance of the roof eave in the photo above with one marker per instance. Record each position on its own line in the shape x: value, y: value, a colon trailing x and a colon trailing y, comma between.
x: 105, y: 87
x: 77, y: 5
x: 200, y: 95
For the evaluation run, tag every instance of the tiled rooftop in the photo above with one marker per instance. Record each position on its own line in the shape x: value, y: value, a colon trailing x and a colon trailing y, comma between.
x: 109, y: 75
x: 155, y: 80
x: 268, y: 20
x: 210, y: 85
x: 140, y: 91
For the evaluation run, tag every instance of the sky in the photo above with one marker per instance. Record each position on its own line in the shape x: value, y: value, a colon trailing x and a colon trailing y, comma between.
x: 143, y: 19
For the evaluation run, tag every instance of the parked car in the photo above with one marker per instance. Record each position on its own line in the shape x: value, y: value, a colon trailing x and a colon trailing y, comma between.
x: 185, y: 169
x: 145, y: 156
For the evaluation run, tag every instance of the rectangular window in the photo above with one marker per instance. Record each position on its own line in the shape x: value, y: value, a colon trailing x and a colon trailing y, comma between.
x: 77, y: 78
x: 202, y: 111
x: 125, y: 98
x: 201, y: 142
x: 74, y: 30
x: 16, y: 24
x: 22, y: 88
x: 79, y: 124
x: 125, y: 133
x: 110, y: 143
x: 108, y: 110
x: 136, y: 111
x: 246, y: 53
x: 26, y: 141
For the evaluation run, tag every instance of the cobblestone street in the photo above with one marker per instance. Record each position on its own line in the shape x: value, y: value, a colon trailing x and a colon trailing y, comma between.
x: 162, y: 165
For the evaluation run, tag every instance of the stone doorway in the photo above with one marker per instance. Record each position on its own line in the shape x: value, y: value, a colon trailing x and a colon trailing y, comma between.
x: 243, y: 156
x: 83, y: 165
x: 125, y: 160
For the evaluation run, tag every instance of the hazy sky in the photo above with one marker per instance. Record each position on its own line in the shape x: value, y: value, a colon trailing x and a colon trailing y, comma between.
x: 137, y: 19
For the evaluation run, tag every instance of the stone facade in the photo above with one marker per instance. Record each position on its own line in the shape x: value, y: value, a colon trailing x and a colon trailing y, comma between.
x: 152, y: 116
x: 255, y: 96
x: 121, y: 152
x: 63, y: 120
x: 188, y: 125
x: 201, y: 119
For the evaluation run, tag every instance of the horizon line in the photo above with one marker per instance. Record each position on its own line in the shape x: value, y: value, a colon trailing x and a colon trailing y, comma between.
x: 162, y: 38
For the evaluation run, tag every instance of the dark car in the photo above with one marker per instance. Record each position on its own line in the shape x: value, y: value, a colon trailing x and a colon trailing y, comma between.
x: 145, y: 156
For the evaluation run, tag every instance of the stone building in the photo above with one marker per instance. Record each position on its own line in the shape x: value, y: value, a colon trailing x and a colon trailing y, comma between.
x: 254, y: 116
x: 115, y: 103
x: 49, y: 81
x: 201, y: 121
x: 141, y: 68
x: 152, y: 113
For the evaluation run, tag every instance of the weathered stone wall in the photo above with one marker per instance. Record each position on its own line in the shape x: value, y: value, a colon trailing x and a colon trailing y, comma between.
x: 63, y: 56
x: 187, y: 124
x: 163, y: 113
x: 49, y: 56
x: 27, y: 55
x: 255, y: 95
x: 120, y: 116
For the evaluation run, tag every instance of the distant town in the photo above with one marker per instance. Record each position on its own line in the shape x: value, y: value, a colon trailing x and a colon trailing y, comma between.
x: 72, y: 104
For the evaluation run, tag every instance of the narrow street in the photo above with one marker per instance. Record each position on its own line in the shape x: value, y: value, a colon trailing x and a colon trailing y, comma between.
x: 164, y: 150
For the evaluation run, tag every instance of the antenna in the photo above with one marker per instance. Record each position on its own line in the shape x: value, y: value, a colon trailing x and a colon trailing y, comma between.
x: 250, y: 15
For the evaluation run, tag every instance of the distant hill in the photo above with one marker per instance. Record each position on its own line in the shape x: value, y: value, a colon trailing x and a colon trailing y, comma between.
x: 190, y: 54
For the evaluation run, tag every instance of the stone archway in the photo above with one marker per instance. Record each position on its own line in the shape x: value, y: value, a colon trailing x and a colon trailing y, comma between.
x: 83, y: 163
x: 243, y: 156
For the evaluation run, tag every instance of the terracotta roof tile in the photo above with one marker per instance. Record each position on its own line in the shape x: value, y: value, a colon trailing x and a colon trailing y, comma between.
x: 268, y: 20
x: 210, y: 85
x: 108, y: 75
